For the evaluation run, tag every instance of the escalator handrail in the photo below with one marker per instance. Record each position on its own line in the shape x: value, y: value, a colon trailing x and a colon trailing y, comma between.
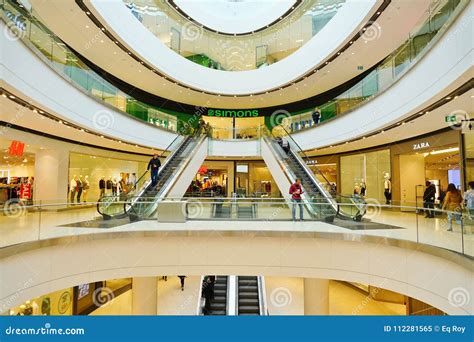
x: 166, y: 187
x: 306, y: 157
x: 326, y: 194
x: 128, y: 195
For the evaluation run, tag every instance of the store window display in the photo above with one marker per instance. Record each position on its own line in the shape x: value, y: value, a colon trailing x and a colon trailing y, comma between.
x: 104, y: 176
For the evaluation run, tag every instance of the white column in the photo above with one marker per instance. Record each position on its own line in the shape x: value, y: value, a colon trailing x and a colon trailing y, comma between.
x: 316, y: 296
x: 51, y: 175
x: 145, y: 296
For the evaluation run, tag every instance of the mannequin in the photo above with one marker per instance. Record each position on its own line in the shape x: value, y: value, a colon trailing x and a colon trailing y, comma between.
x: 363, y: 188
x: 85, y: 188
x: 72, y: 188
x: 109, y: 185
x: 114, y: 186
x: 387, y: 188
x: 79, y: 189
x: 102, y: 187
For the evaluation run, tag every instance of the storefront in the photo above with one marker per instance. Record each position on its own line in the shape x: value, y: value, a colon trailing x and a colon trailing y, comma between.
x: 326, y: 170
x: 224, y: 178
x: 367, y: 174
x: 92, y: 176
x: 17, y: 171
x: 434, y: 158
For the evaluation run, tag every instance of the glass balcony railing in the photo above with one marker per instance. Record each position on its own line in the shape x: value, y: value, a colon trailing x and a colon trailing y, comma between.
x: 234, y: 53
x: 28, y: 27
x: 21, y: 222
x: 439, y: 16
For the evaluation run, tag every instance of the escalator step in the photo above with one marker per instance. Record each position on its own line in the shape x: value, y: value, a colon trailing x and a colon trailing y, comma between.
x: 248, y: 302
x: 249, y: 309
x: 248, y: 289
x: 248, y: 295
x: 247, y: 278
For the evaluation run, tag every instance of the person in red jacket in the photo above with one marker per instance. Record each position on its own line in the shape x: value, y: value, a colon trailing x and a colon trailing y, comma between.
x: 296, y: 191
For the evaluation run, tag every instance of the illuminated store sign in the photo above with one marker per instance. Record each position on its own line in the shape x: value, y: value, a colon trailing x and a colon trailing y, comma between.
x: 420, y: 146
x: 232, y: 113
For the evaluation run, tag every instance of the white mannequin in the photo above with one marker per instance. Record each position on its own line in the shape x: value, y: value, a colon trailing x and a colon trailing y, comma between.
x: 85, y: 188
x: 72, y: 188
x: 387, y: 186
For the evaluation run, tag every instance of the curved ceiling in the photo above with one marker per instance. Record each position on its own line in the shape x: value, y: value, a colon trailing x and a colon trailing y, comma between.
x: 117, y: 19
x: 100, y: 49
x: 234, y: 16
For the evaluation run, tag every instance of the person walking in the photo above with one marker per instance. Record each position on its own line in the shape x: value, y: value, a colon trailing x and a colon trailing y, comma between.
x: 296, y: 191
x: 181, y: 279
x: 428, y: 199
x: 469, y: 198
x: 154, y: 165
x: 452, y: 202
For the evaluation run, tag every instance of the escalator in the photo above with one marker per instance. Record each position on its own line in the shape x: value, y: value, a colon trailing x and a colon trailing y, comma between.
x: 317, y: 197
x: 219, y: 303
x: 142, y: 201
x: 248, y: 296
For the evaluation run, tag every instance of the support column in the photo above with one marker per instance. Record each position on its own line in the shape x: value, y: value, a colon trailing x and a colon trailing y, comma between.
x: 51, y: 175
x: 145, y: 296
x: 316, y: 296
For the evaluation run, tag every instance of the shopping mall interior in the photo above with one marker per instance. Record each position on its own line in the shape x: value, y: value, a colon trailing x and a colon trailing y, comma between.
x: 290, y: 157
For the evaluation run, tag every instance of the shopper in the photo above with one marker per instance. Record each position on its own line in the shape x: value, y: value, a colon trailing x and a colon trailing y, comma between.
x: 469, y: 198
x: 154, y: 165
x: 181, y: 279
x: 296, y: 191
x: 208, y: 293
x: 316, y: 116
x: 452, y: 203
x: 285, y: 145
x: 428, y: 199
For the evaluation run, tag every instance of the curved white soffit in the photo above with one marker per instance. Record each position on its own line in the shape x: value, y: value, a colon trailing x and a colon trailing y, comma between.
x: 138, y: 38
x: 412, y: 272
x: 450, y: 59
x: 42, y: 84
x: 235, y: 17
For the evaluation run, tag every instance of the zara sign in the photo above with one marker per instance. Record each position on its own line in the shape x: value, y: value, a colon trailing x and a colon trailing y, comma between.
x: 421, y: 145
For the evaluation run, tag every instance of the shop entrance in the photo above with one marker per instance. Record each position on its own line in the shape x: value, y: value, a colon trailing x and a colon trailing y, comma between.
x: 440, y: 166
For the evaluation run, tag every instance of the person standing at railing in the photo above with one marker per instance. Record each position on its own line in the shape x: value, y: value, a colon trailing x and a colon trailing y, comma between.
x: 296, y: 191
x: 154, y: 165
x: 469, y: 198
x: 452, y: 202
x: 428, y: 199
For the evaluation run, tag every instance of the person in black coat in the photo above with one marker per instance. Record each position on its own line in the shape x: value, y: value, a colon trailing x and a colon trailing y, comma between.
x: 428, y: 199
x: 316, y: 116
x: 154, y: 165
